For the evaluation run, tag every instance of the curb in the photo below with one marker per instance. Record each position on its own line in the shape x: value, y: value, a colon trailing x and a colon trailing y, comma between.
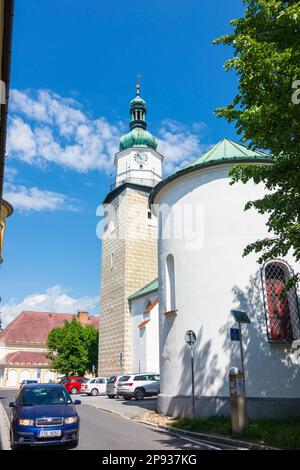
x: 4, y: 429
x: 216, y: 438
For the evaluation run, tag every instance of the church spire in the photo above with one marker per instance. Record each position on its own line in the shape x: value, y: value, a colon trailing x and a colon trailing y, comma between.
x: 138, y: 110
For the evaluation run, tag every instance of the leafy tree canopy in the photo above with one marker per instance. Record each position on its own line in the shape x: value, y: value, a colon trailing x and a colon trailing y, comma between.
x: 73, y: 348
x: 266, y: 113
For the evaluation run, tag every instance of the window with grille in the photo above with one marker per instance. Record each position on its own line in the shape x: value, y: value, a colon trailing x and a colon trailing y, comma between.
x: 281, y: 309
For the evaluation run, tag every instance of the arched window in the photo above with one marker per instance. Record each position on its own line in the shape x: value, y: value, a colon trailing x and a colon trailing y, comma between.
x: 170, y: 284
x: 282, y: 311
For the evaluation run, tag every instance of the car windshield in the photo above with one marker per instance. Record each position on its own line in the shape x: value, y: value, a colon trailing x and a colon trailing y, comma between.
x: 111, y: 380
x: 44, y: 396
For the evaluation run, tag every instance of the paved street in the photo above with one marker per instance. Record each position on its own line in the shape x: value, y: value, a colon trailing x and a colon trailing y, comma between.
x: 101, y: 430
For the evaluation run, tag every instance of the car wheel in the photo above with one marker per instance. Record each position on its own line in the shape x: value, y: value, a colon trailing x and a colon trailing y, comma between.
x: 12, y: 444
x: 127, y: 398
x: 111, y: 396
x: 73, y: 391
x: 139, y: 394
x: 94, y: 392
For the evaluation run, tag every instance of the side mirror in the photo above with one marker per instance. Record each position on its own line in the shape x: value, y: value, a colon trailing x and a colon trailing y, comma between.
x: 77, y: 402
x: 12, y: 404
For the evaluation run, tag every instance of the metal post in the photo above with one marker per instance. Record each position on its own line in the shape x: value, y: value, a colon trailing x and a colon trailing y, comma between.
x: 242, y: 356
x: 193, y: 381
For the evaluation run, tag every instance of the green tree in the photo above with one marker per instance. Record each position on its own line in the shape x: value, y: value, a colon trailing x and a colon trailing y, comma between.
x: 266, y: 44
x: 73, y: 348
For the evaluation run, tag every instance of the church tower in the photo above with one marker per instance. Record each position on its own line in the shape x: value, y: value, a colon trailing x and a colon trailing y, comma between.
x: 129, y: 242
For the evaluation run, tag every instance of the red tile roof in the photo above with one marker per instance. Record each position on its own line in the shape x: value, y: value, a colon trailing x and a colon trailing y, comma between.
x: 34, y: 327
x: 26, y: 357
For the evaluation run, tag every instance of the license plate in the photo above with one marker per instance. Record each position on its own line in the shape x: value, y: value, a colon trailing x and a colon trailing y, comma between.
x: 54, y: 433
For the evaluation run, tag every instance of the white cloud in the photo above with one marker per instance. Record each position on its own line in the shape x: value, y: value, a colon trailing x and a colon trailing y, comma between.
x: 180, y: 144
x: 25, y: 199
x: 46, y: 127
x: 55, y: 299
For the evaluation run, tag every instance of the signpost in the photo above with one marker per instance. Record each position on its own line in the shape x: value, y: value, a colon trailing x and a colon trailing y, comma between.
x: 237, y: 377
x: 190, y: 339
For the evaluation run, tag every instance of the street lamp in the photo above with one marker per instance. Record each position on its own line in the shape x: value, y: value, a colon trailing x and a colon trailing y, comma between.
x: 241, y: 317
x: 237, y: 378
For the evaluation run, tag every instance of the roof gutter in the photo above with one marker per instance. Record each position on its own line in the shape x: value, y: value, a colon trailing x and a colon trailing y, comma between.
x: 6, y: 63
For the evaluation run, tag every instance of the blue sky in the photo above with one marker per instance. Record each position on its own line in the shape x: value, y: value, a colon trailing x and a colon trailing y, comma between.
x: 73, y: 75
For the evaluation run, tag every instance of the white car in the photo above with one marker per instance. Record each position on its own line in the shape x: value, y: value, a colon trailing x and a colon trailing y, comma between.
x: 138, y: 386
x: 94, y: 387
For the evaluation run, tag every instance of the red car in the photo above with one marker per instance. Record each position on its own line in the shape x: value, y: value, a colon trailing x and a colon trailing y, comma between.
x: 73, y: 384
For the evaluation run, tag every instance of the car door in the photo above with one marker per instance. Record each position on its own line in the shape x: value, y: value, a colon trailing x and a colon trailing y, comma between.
x: 101, y: 385
x: 153, y: 384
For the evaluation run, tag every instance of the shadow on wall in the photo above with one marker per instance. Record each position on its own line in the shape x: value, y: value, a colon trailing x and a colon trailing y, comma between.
x: 272, y: 370
x: 204, y: 361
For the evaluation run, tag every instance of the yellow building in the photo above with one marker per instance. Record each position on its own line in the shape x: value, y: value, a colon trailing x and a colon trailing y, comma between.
x: 23, y: 346
x: 5, y: 211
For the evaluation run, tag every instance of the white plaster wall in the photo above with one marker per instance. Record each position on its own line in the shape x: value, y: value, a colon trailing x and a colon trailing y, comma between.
x: 145, y: 341
x: 211, y: 278
x: 152, y: 332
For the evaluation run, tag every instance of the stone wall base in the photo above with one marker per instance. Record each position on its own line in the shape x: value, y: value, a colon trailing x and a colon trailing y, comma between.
x: 257, y: 408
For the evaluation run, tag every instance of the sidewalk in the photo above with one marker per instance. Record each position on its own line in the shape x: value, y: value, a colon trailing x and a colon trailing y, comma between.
x: 129, y: 409
x: 144, y: 411
x: 4, y: 429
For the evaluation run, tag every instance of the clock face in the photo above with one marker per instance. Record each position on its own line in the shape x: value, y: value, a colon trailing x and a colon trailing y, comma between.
x: 141, y: 158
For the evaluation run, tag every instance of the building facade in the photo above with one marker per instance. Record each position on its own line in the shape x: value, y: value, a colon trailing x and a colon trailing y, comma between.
x: 129, y: 241
x: 23, y: 346
x: 5, y: 211
x: 203, y: 230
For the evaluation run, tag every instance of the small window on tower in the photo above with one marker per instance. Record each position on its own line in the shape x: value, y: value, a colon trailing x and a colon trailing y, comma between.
x: 149, y: 215
x: 112, y: 261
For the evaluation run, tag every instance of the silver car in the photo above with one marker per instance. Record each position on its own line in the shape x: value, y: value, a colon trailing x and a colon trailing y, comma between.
x: 139, y: 386
x: 111, y: 386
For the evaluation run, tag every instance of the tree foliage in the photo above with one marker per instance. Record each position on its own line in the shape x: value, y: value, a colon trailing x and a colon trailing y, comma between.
x: 266, y: 43
x: 73, y: 348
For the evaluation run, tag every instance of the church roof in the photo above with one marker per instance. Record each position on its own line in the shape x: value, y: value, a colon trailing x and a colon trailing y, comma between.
x: 147, y: 289
x: 138, y: 137
x: 34, y: 327
x: 226, y: 151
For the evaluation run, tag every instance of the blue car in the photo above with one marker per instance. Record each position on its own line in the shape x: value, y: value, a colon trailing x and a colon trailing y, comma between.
x: 44, y: 414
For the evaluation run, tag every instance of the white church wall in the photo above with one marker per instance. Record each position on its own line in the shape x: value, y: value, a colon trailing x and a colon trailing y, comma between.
x: 152, y: 331
x: 145, y: 350
x: 211, y: 278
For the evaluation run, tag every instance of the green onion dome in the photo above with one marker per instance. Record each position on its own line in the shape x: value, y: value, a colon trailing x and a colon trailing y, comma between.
x: 138, y: 135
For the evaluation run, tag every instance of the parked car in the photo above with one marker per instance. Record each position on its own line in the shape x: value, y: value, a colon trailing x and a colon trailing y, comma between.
x: 94, y: 387
x: 73, y: 384
x: 111, y: 386
x: 28, y: 381
x: 43, y: 414
x: 138, y: 386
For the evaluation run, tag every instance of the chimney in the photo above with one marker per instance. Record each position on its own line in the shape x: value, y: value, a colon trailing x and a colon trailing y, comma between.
x: 83, y: 317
